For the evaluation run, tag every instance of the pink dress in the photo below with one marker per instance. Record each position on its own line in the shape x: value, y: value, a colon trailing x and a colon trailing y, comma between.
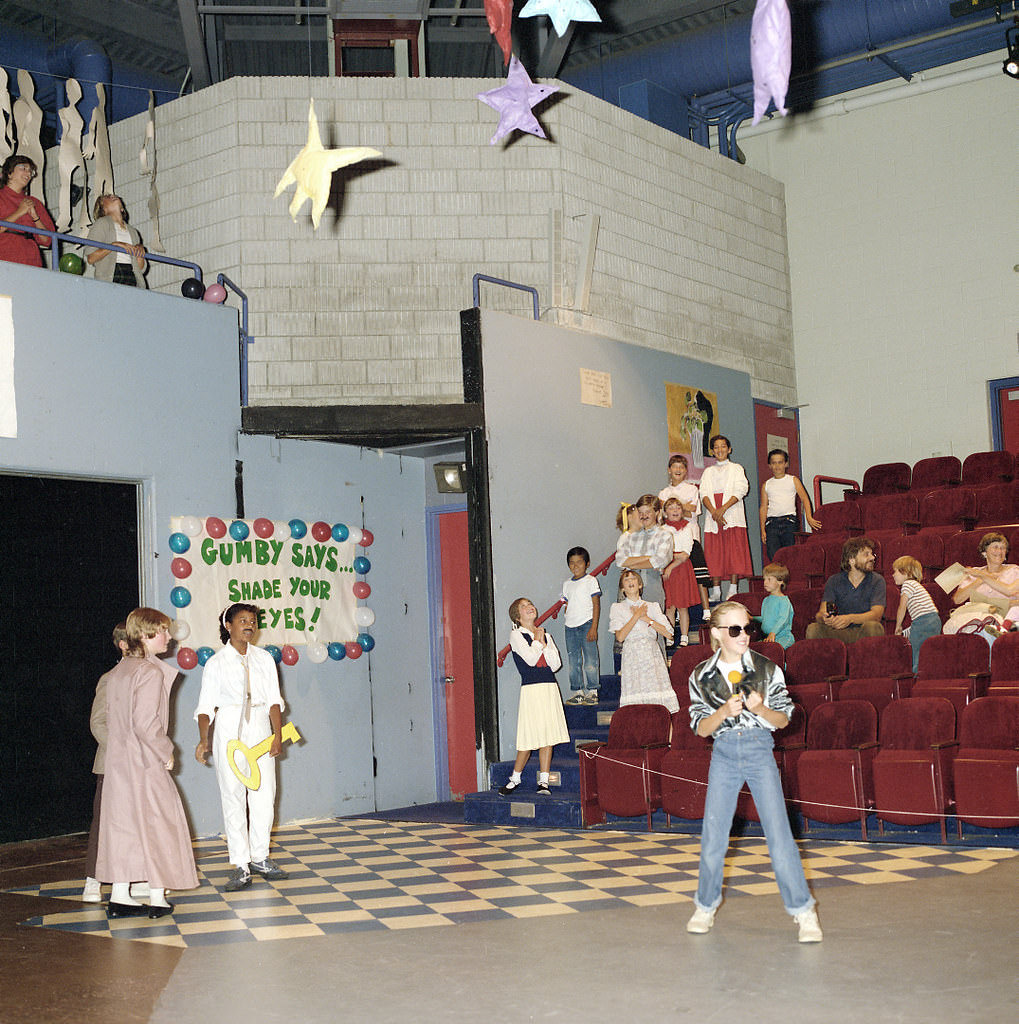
x: 143, y: 833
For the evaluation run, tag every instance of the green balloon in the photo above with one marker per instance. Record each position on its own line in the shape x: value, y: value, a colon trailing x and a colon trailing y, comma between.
x: 72, y: 263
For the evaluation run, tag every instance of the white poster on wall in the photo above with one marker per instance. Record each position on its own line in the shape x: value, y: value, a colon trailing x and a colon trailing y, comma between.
x: 8, y: 408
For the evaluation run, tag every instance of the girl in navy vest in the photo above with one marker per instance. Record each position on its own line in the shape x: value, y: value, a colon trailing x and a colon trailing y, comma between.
x: 541, y: 723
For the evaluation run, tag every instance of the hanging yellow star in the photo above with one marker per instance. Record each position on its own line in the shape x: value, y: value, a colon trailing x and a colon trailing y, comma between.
x: 313, y: 169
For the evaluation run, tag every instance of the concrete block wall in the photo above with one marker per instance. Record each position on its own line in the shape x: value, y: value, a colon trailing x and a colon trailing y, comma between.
x: 902, y: 241
x: 691, y: 254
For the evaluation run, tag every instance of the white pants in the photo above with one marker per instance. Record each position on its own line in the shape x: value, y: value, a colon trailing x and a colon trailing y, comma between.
x: 247, y: 813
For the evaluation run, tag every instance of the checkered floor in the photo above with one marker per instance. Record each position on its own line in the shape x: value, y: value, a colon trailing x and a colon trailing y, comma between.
x: 363, y: 875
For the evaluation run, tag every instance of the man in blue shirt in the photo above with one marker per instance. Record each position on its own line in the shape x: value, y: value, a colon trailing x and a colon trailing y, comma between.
x: 854, y: 599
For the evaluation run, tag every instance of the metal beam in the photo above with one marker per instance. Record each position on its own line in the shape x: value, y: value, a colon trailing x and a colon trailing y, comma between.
x: 126, y: 17
x: 554, y: 53
x: 194, y: 43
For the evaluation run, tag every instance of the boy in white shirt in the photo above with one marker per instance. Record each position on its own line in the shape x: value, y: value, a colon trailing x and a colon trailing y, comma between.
x: 582, y: 595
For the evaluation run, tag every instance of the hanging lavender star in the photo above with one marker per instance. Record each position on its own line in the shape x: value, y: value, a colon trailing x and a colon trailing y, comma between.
x: 562, y: 12
x: 514, y: 101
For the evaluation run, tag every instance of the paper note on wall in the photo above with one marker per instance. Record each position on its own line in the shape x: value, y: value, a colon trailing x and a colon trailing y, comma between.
x: 596, y: 388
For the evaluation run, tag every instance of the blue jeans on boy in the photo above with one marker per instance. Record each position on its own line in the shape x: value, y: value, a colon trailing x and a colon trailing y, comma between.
x: 925, y: 626
x: 738, y: 755
x: 585, y: 670
x: 779, y: 532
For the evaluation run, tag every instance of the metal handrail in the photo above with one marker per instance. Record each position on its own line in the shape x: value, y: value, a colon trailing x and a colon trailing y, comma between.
x: 819, y: 479
x: 92, y: 244
x: 244, y: 339
x: 553, y: 612
x: 478, y: 278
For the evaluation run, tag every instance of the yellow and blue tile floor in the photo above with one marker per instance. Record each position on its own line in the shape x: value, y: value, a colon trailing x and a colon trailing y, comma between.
x: 362, y: 875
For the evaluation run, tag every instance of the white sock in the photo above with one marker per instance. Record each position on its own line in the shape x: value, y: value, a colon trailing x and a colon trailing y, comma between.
x: 157, y: 897
x: 122, y: 894
x: 542, y: 778
x: 730, y: 589
x: 515, y: 778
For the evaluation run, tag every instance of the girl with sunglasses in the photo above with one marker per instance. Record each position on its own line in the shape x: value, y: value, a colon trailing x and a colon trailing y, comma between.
x: 739, y: 698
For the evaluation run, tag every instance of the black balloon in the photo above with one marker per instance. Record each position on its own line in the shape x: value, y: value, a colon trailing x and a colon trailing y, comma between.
x: 192, y: 288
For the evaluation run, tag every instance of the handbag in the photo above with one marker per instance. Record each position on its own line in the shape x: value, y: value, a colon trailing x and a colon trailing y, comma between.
x: 971, y: 617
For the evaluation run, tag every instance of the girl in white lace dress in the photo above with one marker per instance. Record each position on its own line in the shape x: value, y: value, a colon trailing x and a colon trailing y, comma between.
x: 644, y: 678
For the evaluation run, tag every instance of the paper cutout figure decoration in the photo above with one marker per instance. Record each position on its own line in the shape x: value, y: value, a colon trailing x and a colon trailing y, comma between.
x: 312, y: 169
x: 771, y: 51
x: 499, y: 14
x: 562, y: 12
x: 514, y: 101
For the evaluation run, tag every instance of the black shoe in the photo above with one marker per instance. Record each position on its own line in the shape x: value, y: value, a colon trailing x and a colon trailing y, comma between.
x: 267, y: 869
x: 543, y: 789
x: 126, y: 910
x: 509, y: 788
x: 158, y: 911
x: 239, y: 878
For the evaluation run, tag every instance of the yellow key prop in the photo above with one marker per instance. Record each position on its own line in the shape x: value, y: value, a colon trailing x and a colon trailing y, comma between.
x: 251, y: 754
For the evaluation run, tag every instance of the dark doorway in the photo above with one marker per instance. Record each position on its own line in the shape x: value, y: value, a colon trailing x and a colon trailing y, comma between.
x: 69, y: 557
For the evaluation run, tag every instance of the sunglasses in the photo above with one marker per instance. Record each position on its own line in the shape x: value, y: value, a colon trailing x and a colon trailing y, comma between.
x: 734, y: 631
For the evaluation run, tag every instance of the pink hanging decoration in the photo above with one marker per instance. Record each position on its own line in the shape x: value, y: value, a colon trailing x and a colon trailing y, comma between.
x: 500, y: 17
x: 514, y: 100
x: 771, y: 48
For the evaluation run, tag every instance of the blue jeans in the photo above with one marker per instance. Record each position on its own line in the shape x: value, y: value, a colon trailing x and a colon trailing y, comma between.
x: 779, y: 532
x: 925, y: 626
x: 748, y: 755
x: 585, y: 670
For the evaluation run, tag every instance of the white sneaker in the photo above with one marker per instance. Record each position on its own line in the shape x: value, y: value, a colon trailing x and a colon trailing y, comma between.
x: 701, y: 922
x: 92, y: 893
x: 810, y: 927
x: 576, y: 700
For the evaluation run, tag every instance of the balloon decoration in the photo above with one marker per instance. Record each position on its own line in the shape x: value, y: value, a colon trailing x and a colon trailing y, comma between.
x: 281, y: 531
x: 340, y: 532
x: 365, y: 641
x: 361, y: 565
x: 317, y: 652
x: 215, y: 527
x: 239, y: 529
x: 298, y: 528
x: 187, y: 659
x: 353, y: 649
x: 181, y: 568
x: 364, y: 616
x: 264, y: 528
x: 337, y: 651
x: 367, y: 538
x: 192, y: 288
x: 71, y: 263
x: 204, y: 654
x: 179, y: 543
x: 180, y: 597
x: 215, y: 293
x: 289, y: 655
x: 276, y: 653
x: 180, y: 630
x: 321, y: 532
x: 355, y: 535
x: 191, y: 526
x: 361, y: 589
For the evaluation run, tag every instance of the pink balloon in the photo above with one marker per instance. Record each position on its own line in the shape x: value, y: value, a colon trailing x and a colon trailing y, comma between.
x: 289, y: 655
x: 321, y: 531
x: 367, y: 538
x: 215, y: 293
x: 361, y: 589
x: 215, y: 527
x: 353, y: 649
x: 181, y: 568
x: 186, y: 658
x: 264, y: 528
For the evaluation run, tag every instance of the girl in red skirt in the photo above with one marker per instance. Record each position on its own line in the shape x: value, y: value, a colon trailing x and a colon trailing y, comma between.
x: 723, y: 488
x: 681, y: 588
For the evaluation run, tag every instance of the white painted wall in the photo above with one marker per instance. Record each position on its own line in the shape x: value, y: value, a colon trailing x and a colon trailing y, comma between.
x: 902, y: 224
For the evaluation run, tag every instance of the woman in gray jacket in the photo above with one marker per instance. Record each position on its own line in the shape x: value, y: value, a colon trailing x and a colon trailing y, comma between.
x: 126, y: 266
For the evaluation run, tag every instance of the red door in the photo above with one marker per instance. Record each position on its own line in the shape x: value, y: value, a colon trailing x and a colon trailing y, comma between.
x: 1008, y: 413
x: 772, y: 431
x: 458, y: 653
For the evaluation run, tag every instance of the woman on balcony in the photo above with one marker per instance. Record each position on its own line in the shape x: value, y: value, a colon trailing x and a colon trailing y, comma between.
x: 18, y: 206
x: 126, y: 266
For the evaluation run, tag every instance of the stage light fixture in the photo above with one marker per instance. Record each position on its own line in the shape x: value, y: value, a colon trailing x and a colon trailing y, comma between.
x: 450, y: 477
x: 1011, y: 63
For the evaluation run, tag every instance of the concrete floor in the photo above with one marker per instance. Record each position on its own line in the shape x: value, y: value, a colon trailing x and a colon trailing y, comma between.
x: 942, y: 948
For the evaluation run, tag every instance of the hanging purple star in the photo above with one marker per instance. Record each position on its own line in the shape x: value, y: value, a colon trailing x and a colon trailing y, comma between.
x: 514, y: 101
x: 562, y: 12
x: 771, y: 50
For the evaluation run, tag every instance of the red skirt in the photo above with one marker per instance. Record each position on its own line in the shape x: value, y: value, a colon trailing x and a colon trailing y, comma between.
x: 728, y: 553
x: 681, y: 587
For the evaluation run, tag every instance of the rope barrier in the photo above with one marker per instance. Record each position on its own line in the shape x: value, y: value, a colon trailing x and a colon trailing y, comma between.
x: 647, y: 771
